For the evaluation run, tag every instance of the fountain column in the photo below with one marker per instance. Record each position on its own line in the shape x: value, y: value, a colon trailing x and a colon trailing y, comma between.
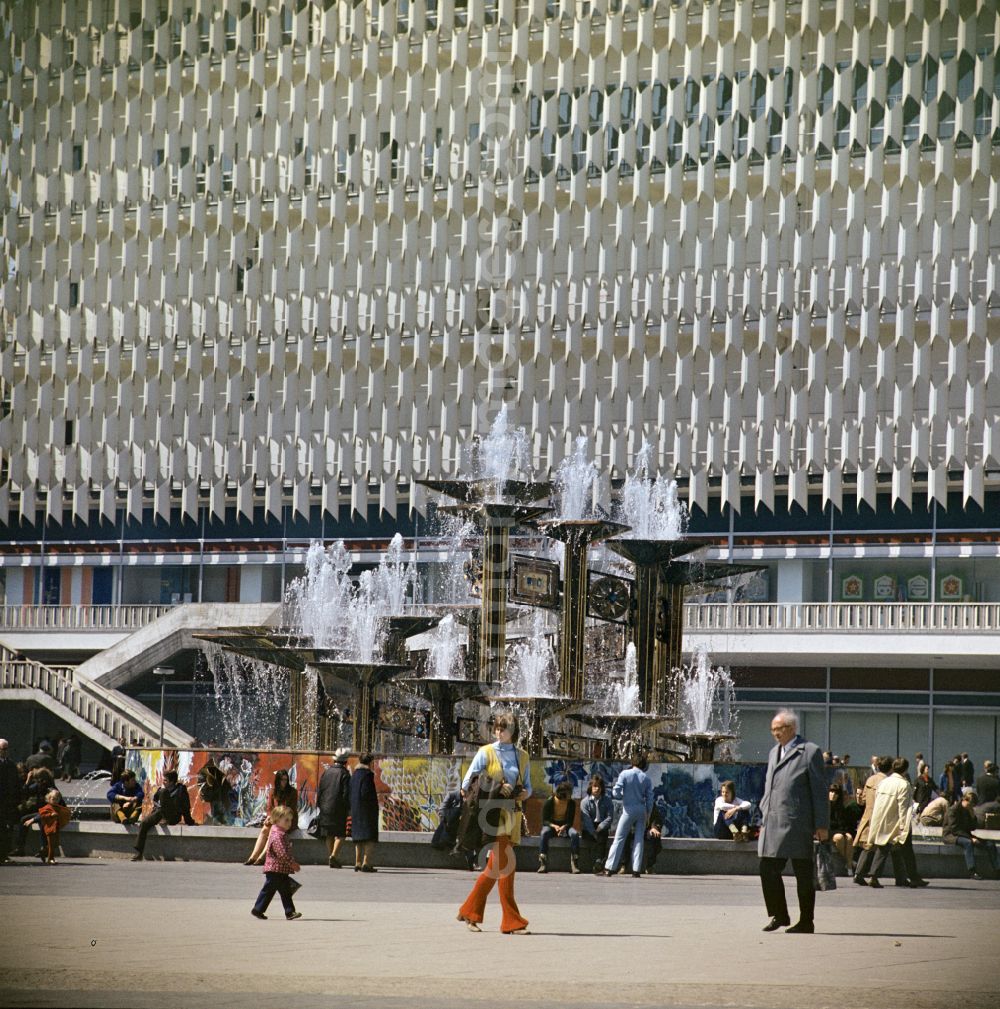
x: 365, y: 711
x: 651, y: 666
x: 493, y: 625
x: 576, y: 535
x: 657, y: 618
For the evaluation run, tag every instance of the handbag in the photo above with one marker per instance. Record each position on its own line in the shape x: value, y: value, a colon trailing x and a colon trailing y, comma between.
x: 823, y: 874
x: 483, y: 804
x: 313, y: 829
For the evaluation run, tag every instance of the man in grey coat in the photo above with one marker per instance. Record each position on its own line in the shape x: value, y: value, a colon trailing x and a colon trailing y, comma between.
x: 795, y: 808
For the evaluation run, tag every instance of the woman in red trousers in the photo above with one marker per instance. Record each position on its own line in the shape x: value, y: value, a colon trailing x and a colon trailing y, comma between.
x: 503, y: 760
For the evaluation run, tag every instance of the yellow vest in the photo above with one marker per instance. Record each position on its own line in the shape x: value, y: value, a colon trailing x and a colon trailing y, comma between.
x: 510, y: 819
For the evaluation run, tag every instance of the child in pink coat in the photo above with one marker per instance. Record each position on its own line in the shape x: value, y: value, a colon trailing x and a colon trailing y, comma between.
x: 279, y: 865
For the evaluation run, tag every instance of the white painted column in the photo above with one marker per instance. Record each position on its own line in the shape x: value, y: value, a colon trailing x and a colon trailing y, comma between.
x: 791, y: 581
x: 252, y: 583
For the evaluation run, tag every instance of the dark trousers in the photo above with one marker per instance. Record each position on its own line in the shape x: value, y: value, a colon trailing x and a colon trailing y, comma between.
x: 23, y: 829
x: 774, y: 888
x: 600, y: 839
x: 7, y: 821
x: 275, y: 883
x: 739, y: 821
x: 904, y: 861
x: 146, y: 824
x: 866, y: 864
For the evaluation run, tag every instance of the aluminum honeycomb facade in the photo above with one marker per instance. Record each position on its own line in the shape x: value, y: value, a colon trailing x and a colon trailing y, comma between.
x: 260, y: 252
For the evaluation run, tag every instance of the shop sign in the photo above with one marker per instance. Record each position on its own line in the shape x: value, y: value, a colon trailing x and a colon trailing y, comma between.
x: 852, y: 588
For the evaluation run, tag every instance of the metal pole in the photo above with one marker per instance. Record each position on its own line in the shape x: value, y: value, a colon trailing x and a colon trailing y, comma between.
x: 163, y: 698
x: 162, y: 672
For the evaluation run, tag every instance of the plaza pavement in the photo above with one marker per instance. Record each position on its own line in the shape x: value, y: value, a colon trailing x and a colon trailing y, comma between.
x: 110, y: 933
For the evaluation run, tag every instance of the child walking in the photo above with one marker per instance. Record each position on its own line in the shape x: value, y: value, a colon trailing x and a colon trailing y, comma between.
x: 51, y: 818
x: 279, y: 864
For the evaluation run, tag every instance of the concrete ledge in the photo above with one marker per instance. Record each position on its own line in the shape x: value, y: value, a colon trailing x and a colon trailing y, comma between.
x: 412, y: 849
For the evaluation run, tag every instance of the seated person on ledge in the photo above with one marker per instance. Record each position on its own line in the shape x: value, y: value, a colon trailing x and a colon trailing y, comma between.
x: 596, y: 813
x: 732, y: 815
x: 171, y: 804
x: 558, y: 814
x: 125, y: 796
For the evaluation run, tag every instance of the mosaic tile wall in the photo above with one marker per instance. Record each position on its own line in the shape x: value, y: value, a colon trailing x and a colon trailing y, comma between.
x: 411, y: 789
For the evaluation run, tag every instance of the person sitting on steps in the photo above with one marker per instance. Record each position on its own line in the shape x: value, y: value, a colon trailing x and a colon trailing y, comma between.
x: 558, y: 815
x: 596, y: 814
x: 732, y: 815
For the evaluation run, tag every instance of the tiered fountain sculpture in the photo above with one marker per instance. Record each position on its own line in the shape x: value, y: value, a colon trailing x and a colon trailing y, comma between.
x: 576, y: 528
x: 355, y: 637
x: 496, y: 499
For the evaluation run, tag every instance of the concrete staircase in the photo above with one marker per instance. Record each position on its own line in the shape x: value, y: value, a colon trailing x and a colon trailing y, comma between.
x: 158, y: 641
x: 101, y: 714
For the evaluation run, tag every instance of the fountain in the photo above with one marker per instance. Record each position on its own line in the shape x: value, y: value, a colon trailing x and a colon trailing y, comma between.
x: 496, y: 498
x: 657, y: 522
x: 708, y: 710
x: 576, y: 528
x: 354, y: 636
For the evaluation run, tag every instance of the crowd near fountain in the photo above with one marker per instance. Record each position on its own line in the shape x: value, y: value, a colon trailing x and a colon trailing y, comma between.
x: 562, y: 599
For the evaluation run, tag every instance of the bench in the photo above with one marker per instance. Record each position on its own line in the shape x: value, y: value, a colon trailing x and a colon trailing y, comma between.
x: 412, y: 849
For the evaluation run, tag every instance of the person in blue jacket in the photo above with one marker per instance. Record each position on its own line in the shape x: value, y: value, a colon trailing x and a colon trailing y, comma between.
x: 125, y: 797
x: 635, y: 792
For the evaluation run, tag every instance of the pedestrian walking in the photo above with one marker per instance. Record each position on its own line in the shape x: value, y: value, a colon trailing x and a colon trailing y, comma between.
x: 794, y: 810
x: 891, y: 828
x: 501, y: 761
x: 334, y: 802
x: 635, y: 792
x: 364, y: 814
x: 279, y: 864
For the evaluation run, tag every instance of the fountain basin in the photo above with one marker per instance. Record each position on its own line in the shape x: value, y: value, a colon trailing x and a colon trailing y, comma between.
x: 485, y: 489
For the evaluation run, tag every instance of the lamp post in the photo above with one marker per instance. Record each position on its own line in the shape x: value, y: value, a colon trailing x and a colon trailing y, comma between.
x: 163, y: 672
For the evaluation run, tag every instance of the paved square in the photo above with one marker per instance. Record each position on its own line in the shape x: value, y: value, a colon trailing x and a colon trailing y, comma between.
x: 153, y: 934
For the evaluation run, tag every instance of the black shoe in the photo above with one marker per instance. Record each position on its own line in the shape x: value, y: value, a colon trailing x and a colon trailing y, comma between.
x: 334, y: 863
x: 775, y: 923
x: 258, y: 914
x: 137, y: 857
x: 294, y: 915
x: 917, y: 883
x: 974, y: 875
x: 801, y: 928
x: 368, y: 868
x: 637, y: 875
x: 874, y: 884
x: 860, y: 880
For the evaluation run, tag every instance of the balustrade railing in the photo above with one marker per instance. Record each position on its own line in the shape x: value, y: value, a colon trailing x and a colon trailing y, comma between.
x: 106, y: 711
x: 79, y: 618
x: 969, y: 618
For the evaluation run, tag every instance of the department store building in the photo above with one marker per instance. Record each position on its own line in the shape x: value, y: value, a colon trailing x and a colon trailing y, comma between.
x: 265, y: 264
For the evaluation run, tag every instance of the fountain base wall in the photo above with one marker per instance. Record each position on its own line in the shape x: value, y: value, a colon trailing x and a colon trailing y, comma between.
x: 411, y: 789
